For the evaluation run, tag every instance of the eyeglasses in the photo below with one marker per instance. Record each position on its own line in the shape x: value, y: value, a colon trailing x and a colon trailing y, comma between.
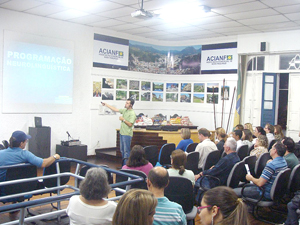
x: 202, y: 207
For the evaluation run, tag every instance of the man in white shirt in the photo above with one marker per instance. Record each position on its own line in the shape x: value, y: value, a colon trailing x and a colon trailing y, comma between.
x: 269, y: 132
x: 205, y: 146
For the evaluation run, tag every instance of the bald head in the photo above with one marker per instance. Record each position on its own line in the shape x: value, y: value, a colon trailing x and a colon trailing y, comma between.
x: 159, y: 177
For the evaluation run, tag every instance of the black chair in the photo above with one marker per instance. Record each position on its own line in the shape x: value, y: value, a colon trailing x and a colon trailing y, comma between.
x: 180, y: 190
x: 5, y: 143
x: 211, y: 160
x: 85, y: 168
x: 261, y: 163
x: 151, y: 152
x: 277, y: 192
x: 250, y: 149
x: 165, y: 153
x: 191, y: 147
x: 236, y: 175
x: 19, y: 172
x: 140, y: 185
x: 294, y: 182
x: 64, y: 166
x: 271, y: 144
x: 192, y: 162
x: 242, y: 151
x: 2, y: 147
x: 250, y: 161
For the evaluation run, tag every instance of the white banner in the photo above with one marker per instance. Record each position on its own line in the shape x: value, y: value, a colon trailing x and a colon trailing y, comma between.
x: 110, y: 53
x: 219, y: 59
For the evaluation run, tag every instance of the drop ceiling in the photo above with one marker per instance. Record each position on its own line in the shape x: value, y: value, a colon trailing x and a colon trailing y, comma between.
x: 227, y: 18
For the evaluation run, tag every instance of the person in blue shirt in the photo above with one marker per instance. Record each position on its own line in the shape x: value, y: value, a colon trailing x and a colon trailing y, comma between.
x: 16, y: 154
x: 269, y: 173
x: 186, y: 136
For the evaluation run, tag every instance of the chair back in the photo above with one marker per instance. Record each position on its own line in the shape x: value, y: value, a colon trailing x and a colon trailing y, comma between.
x: 278, y: 189
x: 237, y: 173
x: 180, y: 190
x: 242, y: 151
x: 251, y: 148
x: 140, y: 185
x: 151, y: 152
x: 294, y: 181
x: 64, y: 166
x: 5, y: 143
x: 20, y: 172
x: 192, y: 162
x: 261, y: 163
x: 272, y: 143
x: 165, y: 153
x: 211, y: 159
x: 250, y: 161
x: 85, y: 168
x: 191, y: 147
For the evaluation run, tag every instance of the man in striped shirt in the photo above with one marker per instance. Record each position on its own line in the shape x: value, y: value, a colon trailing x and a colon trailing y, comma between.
x: 167, y: 212
x: 269, y: 173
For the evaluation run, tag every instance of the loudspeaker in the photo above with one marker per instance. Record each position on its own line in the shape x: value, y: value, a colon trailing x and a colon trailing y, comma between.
x: 263, y: 46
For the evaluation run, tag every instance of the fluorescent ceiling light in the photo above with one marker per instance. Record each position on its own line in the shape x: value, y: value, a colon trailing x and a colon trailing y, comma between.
x: 182, y: 11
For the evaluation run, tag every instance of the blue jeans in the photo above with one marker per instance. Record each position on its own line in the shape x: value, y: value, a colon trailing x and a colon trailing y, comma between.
x: 125, y: 142
x: 292, y: 217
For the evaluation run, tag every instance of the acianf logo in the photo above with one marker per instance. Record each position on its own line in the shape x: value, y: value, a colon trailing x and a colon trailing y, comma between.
x: 111, y: 53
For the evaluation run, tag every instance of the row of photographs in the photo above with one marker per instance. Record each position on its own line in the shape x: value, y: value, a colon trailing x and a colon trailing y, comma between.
x: 124, y: 84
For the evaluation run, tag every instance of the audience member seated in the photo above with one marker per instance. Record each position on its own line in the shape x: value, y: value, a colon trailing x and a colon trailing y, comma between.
x: 278, y: 134
x: 269, y: 132
x: 178, y: 159
x: 237, y: 135
x: 260, y: 147
x: 293, y: 206
x: 16, y: 154
x: 90, y: 207
x: 136, y: 207
x: 221, y: 205
x: 269, y: 173
x: 239, y: 127
x: 289, y: 156
x: 186, y: 136
x: 205, y: 146
x: 258, y: 131
x: 167, y: 212
x: 249, y: 127
x: 247, y: 138
x: 137, y: 160
x: 221, y: 170
x: 222, y: 137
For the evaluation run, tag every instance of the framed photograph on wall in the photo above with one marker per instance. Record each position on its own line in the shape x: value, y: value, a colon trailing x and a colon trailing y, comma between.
x: 107, y: 95
x: 134, y: 95
x: 108, y: 83
x: 134, y: 85
x: 158, y: 86
x: 121, y: 84
x: 198, y: 98
x: 145, y: 96
x: 226, y: 93
x: 171, y: 87
x: 212, y: 98
x: 121, y: 95
x: 145, y: 85
x: 96, y: 88
x: 171, y: 97
x: 213, y: 87
x: 186, y: 87
x: 199, y: 87
x: 157, y: 97
x: 185, y: 97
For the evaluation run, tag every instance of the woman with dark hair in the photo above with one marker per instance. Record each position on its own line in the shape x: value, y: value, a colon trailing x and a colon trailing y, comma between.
x: 247, y: 138
x: 137, y: 160
x: 90, y: 207
x: 136, y: 207
x: 220, y: 205
x: 185, y: 134
x: 258, y: 131
x: 178, y: 159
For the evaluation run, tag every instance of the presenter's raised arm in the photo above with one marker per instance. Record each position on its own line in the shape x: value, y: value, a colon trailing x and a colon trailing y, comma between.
x: 110, y: 107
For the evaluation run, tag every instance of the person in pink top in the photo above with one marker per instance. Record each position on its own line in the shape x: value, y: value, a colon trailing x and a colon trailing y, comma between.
x: 137, y: 160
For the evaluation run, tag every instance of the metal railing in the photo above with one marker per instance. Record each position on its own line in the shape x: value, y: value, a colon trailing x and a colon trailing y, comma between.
x: 26, y: 205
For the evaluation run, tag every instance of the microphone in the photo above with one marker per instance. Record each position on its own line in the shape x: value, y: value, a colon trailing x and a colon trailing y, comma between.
x: 69, y: 136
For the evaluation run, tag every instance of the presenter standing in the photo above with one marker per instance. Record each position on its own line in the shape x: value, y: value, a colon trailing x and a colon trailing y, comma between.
x: 127, y: 120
